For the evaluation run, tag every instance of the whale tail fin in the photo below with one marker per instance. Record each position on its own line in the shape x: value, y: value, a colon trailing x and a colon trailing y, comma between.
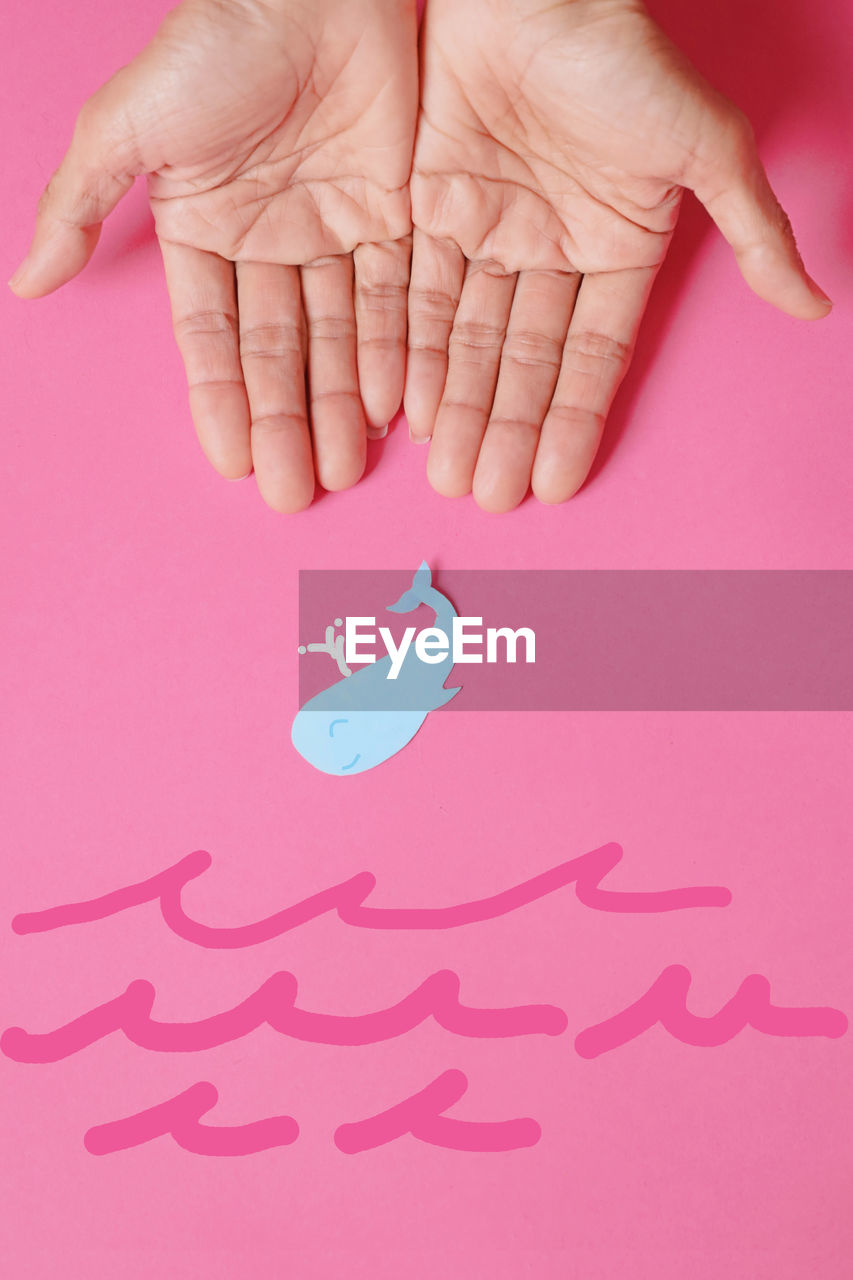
x: 445, y: 695
x: 416, y: 594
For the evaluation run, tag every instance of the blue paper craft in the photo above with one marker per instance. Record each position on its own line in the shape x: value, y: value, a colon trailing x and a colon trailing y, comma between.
x: 365, y: 718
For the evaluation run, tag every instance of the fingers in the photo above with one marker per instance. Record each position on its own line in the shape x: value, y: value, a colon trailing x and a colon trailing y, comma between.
x: 272, y: 354
x: 381, y: 286
x: 730, y: 180
x: 97, y: 170
x: 597, y: 353
x: 204, y: 315
x: 337, y: 416
x: 474, y: 354
x: 529, y: 368
x: 245, y: 368
x: 438, y: 269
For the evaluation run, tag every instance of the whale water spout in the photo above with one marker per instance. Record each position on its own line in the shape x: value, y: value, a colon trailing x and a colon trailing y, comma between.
x: 365, y: 718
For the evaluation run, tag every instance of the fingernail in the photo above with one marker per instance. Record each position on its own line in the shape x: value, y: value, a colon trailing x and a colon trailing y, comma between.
x: 819, y: 293
x: 16, y: 279
x: 377, y: 433
x: 417, y: 439
x: 237, y: 479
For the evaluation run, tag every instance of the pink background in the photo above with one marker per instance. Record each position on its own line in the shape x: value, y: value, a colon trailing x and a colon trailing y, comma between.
x: 149, y: 680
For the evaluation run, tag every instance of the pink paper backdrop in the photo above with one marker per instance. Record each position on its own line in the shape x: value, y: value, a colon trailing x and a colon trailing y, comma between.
x: 149, y: 680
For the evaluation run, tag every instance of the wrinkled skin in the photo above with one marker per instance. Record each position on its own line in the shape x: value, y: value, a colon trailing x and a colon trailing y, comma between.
x: 553, y: 146
x: 278, y: 137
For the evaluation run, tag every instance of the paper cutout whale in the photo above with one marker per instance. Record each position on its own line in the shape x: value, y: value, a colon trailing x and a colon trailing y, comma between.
x: 364, y: 719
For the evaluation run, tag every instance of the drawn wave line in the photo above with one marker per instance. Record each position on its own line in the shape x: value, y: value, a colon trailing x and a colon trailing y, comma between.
x: 666, y: 1003
x: 347, y: 899
x: 179, y: 1117
x: 273, y: 1005
x: 419, y: 1116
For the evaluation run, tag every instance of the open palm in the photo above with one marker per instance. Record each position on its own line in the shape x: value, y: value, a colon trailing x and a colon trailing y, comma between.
x: 277, y: 138
x: 553, y: 146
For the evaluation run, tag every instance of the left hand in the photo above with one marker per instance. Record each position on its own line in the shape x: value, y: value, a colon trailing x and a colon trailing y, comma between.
x: 553, y: 146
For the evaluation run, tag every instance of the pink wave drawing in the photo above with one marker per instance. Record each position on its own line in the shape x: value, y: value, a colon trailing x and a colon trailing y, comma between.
x: 273, y: 1004
x: 421, y: 1116
x: 347, y: 899
x: 665, y: 1002
x: 180, y: 1118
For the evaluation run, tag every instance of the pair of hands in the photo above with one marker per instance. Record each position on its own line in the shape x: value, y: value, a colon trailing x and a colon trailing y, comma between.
x: 290, y: 154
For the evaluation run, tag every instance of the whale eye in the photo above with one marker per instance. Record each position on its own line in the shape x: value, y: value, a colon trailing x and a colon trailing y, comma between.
x: 332, y: 726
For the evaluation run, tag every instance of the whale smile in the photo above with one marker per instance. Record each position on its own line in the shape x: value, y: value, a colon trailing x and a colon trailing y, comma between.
x: 368, y: 713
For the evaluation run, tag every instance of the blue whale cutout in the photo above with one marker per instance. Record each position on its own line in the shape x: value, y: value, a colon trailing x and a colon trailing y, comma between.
x: 364, y: 719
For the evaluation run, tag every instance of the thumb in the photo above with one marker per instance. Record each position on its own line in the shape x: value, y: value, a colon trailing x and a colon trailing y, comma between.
x: 729, y: 179
x: 96, y: 171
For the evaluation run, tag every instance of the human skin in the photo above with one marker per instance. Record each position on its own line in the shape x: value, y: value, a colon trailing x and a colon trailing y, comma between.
x: 276, y: 136
x: 554, y: 143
